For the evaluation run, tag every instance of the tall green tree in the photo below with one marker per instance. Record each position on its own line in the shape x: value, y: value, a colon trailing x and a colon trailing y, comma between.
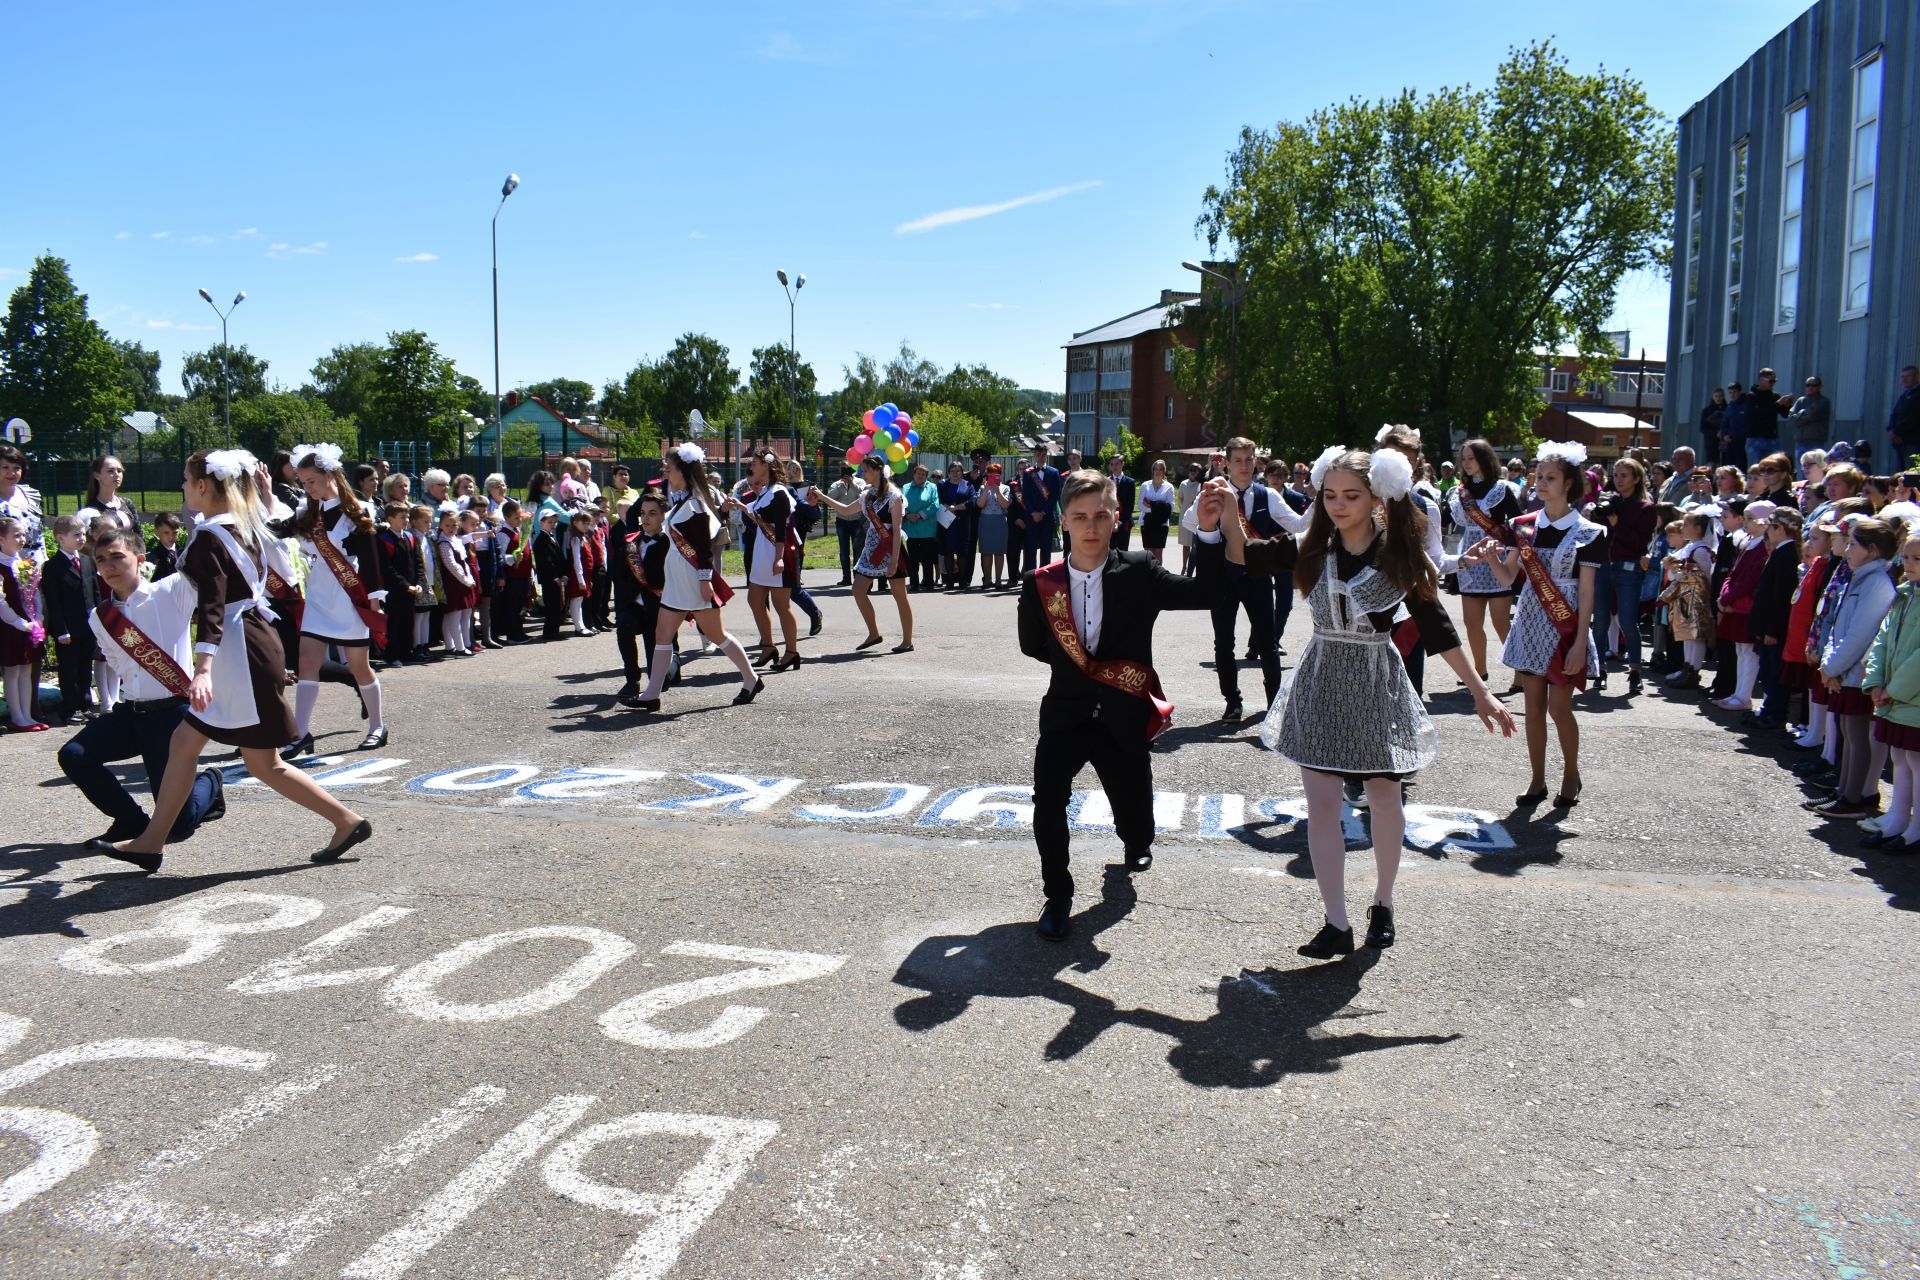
x: 908, y: 379
x: 977, y: 390
x: 201, y: 373
x: 772, y: 409
x: 570, y: 396
x: 695, y: 374
x: 945, y: 428
x: 417, y: 393
x: 346, y: 376
x: 58, y: 371
x: 140, y: 374
x: 1401, y: 260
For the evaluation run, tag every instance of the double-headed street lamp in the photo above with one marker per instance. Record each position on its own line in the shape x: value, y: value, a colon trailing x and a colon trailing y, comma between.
x: 793, y: 361
x: 499, y: 432
x: 1233, y: 328
x: 226, y: 383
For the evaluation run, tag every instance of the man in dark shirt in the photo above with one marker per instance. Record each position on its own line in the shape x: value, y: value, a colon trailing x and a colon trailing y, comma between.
x: 1903, y: 425
x: 1733, y: 428
x: 1124, y: 489
x: 1040, y: 498
x: 1763, y: 412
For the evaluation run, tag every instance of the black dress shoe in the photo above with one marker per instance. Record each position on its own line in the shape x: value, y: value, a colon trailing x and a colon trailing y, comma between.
x: 375, y: 740
x: 364, y: 831
x: 217, y: 807
x: 147, y: 862
x: 294, y: 750
x: 631, y: 689
x: 1140, y: 861
x: 1056, y: 921
x: 1899, y: 849
x: 1380, y: 926
x: 1234, y: 713
x: 1881, y: 841
x: 745, y: 696
x: 1808, y: 768
x: 813, y: 628
x: 1328, y: 943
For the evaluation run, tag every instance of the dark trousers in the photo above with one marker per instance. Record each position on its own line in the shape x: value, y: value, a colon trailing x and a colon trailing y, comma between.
x: 968, y: 553
x: 1774, y: 695
x: 122, y: 734
x: 399, y: 608
x: 553, y: 607
x: 804, y: 602
x: 1283, y: 594
x: 923, y: 558
x: 853, y: 538
x: 597, y: 602
x: 1122, y: 538
x: 1125, y: 770
x: 1253, y: 593
x: 76, y: 671
x: 1038, y: 547
x: 510, y: 607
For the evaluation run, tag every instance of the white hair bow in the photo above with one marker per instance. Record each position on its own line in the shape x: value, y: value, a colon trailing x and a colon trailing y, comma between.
x: 1325, y: 460
x: 1389, y: 474
x: 230, y: 464
x: 321, y: 457
x: 1572, y: 452
x: 690, y: 453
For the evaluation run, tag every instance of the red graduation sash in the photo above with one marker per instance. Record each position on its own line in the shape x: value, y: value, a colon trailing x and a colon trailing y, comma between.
x: 1123, y: 674
x: 139, y: 646
x: 721, y: 591
x: 1564, y: 617
x: 1498, y: 530
x: 278, y: 588
x: 352, y: 584
x: 885, y: 530
x: 636, y: 560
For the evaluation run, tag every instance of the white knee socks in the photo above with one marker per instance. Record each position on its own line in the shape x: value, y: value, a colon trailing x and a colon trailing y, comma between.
x: 422, y: 629
x: 1747, y: 670
x: 450, y: 632
x: 19, y: 688
x: 1816, y: 731
x: 1695, y: 652
x: 657, y: 677
x: 732, y: 649
x: 305, y: 694
x: 576, y: 610
x: 370, y: 694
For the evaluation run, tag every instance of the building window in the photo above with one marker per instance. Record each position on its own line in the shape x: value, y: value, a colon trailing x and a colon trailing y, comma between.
x: 1861, y: 181
x: 1080, y: 359
x: 1694, y: 190
x: 1736, y: 236
x: 1169, y: 408
x: 1117, y: 358
x: 1606, y: 442
x: 1793, y: 187
x: 1557, y: 382
x: 1080, y: 402
x: 1169, y: 359
x: 1116, y: 404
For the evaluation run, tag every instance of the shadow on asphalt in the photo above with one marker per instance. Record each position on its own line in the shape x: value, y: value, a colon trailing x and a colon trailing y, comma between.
x: 41, y: 910
x: 1264, y: 1028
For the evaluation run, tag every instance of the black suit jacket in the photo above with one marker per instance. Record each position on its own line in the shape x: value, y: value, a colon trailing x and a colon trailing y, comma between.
x: 1773, y: 596
x: 64, y: 599
x: 1137, y: 589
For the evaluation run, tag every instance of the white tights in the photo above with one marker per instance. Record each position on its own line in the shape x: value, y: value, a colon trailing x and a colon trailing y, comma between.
x: 1816, y: 731
x: 577, y: 611
x: 1327, y: 842
x: 18, y: 683
x: 456, y: 630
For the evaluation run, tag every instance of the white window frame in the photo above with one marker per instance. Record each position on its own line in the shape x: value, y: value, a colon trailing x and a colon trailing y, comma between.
x: 1696, y: 227
x: 1559, y: 381
x: 1793, y: 180
x: 1854, y: 243
x: 1739, y: 181
x: 1169, y: 408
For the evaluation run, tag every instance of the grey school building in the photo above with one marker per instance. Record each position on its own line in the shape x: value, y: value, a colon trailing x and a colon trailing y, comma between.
x: 1796, y: 229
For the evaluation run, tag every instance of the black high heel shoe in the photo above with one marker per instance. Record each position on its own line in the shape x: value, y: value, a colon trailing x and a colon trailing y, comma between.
x: 1328, y: 943
x: 745, y: 696
x: 1567, y: 799
x: 766, y: 655
x: 363, y: 831
x: 1530, y: 798
x: 294, y: 750
x: 789, y: 663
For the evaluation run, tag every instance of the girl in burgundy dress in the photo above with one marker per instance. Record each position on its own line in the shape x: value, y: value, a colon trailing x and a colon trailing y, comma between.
x: 239, y: 667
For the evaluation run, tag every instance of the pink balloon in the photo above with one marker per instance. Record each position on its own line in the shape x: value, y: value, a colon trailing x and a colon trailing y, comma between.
x: 861, y: 447
x: 903, y: 420
x: 866, y: 420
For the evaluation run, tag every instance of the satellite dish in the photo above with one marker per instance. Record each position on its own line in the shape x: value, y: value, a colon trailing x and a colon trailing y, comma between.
x: 18, y: 432
x: 695, y: 422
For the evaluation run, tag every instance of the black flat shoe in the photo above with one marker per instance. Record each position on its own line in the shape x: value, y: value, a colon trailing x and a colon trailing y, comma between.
x: 1234, y: 713
x: 1328, y: 943
x: 1530, y: 798
x: 745, y: 696
x: 902, y: 648
x: 1380, y: 926
x: 294, y: 750
x: 375, y: 740
x: 1881, y: 841
x: 1140, y: 861
x: 870, y: 641
x: 147, y: 862
x: 645, y: 704
x: 1899, y: 849
x: 363, y: 831
x: 1055, y: 922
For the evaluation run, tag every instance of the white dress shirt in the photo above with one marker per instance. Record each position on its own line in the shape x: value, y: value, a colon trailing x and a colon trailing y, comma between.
x: 1087, y: 591
x: 163, y: 610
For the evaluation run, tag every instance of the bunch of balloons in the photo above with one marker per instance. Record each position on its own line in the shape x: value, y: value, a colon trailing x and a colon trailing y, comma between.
x: 888, y: 432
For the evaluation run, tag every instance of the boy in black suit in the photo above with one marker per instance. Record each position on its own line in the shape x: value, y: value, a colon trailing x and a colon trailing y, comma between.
x: 165, y: 556
x: 400, y: 574
x: 63, y: 596
x: 550, y: 571
x: 638, y: 550
x: 1090, y: 617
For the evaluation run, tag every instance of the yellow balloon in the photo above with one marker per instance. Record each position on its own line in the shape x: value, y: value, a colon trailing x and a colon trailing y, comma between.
x: 895, y: 452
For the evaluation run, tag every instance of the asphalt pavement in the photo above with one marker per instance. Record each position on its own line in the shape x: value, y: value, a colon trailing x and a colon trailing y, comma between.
x: 754, y: 992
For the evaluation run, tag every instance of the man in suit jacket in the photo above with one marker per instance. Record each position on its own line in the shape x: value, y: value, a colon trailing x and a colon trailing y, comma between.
x: 1108, y: 600
x: 63, y: 598
x: 1039, y: 494
x: 1124, y: 491
x: 1267, y: 610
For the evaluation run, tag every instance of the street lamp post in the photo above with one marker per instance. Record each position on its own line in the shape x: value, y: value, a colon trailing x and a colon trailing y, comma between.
x: 226, y: 383
x: 793, y: 362
x: 1233, y: 329
x: 499, y: 432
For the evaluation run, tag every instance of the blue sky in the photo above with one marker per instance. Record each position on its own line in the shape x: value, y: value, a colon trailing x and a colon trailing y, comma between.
x: 340, y: 163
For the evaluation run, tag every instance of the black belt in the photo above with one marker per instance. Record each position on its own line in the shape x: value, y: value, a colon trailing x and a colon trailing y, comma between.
x: 151, y: 705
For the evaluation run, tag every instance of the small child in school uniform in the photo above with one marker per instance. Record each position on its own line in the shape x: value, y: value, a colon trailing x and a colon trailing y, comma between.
x: 426, y: 615
x: 578, y: 550
x: 63, y: 596
x: 165, y: 555
x: 1688, y: 598
x: 1892, y: 681
x: 549, y: 570
x: 1843, y: 660
x: 400, y: 573
x: 1772, y: 609
x: 1736, y: 603
x: 1796, y: 671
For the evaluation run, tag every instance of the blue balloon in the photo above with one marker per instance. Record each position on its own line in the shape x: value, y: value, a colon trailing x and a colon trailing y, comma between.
x: 913, y: 439
x: 884, y: 415
x: 893, y: 433
x: 893, y: 410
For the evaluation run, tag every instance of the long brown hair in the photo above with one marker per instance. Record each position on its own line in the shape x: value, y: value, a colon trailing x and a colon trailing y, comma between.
x: 1485, y: 460
x: 1403, y: 552
x: 309, y: 521
x: 93, y: 479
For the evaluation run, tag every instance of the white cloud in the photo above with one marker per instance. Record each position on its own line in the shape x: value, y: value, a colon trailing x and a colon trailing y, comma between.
x: 159, y: 235
x: 181, y: 325
x: 782, y: 46
x: 986, y: 306
x: 419, y: 257
x: 283, y: 251
x: 244, y: 233
x: 696, y: 235
x: 203, y: 239
x: 124, y: 235
x: 968, y: 213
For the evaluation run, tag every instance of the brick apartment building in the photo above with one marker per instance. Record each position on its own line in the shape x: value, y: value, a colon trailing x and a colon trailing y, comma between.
x: 1624, y: 411
x: 1121, y: 374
